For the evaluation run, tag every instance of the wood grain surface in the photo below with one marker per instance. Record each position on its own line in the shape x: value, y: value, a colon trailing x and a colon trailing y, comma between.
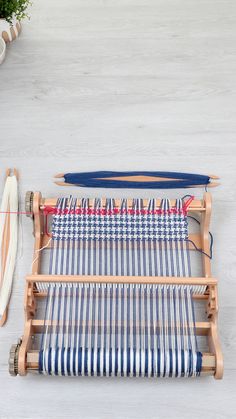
x: 126, y: 85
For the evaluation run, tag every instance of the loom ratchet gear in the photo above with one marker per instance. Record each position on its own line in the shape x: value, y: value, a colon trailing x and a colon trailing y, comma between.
x: 125, y: 292
x: 29, y: 203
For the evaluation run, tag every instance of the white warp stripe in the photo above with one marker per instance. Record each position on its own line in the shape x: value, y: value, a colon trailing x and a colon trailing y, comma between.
x: 122, y: 330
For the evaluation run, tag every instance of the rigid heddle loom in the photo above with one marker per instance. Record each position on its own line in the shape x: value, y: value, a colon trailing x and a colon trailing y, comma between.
x: 120, y: 296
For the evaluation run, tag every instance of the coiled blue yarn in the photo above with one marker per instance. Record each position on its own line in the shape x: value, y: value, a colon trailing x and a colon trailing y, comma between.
x: 101, y: 179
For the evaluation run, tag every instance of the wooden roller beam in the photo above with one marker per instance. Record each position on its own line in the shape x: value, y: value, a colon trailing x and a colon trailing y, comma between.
x: 208, y: 362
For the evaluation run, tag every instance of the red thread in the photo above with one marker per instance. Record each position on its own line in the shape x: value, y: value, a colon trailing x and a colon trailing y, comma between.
x: 104, y: 212
x: 49, y: 210
x: 187, y: 203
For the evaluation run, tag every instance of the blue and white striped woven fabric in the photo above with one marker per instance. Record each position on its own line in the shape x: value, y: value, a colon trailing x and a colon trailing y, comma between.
x: 104, y: 240
x: 119, y: 330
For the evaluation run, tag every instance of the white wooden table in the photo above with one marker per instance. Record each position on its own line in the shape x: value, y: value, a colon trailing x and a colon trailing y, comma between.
x: 128, y: 84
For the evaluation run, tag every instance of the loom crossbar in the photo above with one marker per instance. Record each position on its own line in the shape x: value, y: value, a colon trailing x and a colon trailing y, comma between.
x: 121, y: 279
x: 196, y: 205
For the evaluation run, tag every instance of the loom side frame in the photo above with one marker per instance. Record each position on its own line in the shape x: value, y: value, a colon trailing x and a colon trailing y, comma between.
x: 28, y: 358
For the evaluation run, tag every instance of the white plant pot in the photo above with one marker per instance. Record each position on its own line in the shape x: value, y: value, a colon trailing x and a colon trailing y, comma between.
x: 2, y: 50
x: 9, y: 31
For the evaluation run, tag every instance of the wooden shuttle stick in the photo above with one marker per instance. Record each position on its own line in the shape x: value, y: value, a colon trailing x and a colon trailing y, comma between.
x: 5, y: 243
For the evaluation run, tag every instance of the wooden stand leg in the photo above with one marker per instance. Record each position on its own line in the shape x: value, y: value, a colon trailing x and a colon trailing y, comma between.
x: 38, y: 229
x: 24, y: 347
x: 215, y: 348
x: 205, y: 226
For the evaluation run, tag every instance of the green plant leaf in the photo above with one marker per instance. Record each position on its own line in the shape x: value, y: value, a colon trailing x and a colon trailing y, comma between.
x: 14, y: 8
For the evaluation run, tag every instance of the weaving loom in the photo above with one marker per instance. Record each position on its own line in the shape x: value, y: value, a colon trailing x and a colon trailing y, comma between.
x: 119, y: 297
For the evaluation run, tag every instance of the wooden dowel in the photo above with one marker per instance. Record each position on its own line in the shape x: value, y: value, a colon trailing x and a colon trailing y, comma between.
x: 122, y: 279
x: 196, y: 205
x: 41, y: 294
x: 202, y: 328
x: 210, y: 176
x: 209, y: 185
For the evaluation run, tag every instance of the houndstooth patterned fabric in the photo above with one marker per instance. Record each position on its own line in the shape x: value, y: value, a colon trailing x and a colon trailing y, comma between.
x: 124, y: 224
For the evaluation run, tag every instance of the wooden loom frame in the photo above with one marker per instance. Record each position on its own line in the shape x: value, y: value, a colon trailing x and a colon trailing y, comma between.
x: 25, y: 359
